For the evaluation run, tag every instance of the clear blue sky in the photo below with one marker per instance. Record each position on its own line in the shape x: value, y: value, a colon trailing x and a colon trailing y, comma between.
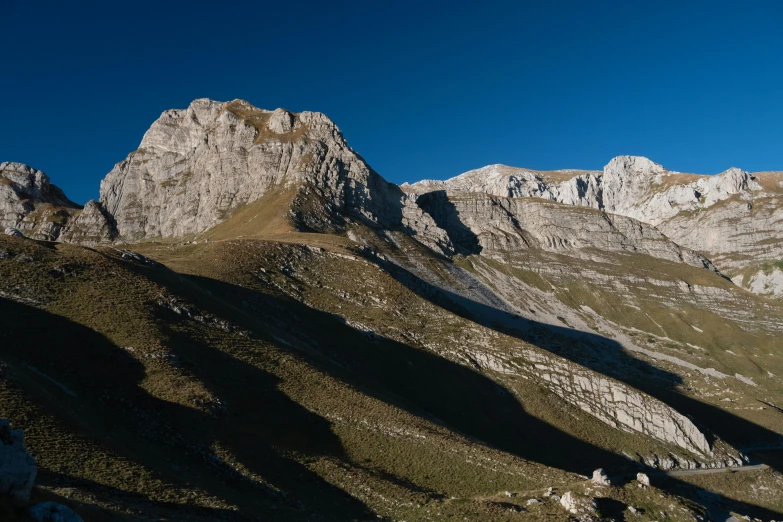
x: 420, y: 91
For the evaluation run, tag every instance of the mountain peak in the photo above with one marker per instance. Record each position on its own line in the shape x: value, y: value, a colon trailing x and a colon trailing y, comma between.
x: 638, y: 165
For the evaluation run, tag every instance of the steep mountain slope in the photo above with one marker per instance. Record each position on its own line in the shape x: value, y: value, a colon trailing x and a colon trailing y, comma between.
x: 30, y: 204
x: 194, y: 167
x: 186, y: 396
x: 734, y: 218
x: 264, y: 328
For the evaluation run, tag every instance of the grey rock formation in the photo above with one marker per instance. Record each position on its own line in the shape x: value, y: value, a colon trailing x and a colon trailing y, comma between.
x: 733, y: 218
x: 574, y: 187
x: 17, y: 466
x: 577, y: 504
x: 762, y: 282
x: 30, y: 204
x: 90, y: 226
x: 194, y: 167
x: 600, y: 478
x: 281, y: 121
x: 643, y: 479
x: 53, y: 512
x: 483, y: 224
x: 615, y: 403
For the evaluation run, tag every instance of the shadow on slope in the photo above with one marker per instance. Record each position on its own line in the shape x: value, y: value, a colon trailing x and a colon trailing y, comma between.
x: 446, y: 216
x: 93, y: 390
x: 608, y: 357
x: 415, y: 380
x: 600, y: 354
x: 425, y: 384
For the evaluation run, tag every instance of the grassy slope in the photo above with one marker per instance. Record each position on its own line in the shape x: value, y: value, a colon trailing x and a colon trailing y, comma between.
x: 728, y: 331
x: 164, y: 394
x: 254, y: 398
x: 132, y: 406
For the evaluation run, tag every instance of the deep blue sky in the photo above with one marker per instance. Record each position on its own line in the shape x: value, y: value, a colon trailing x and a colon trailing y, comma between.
x: 420, y: 92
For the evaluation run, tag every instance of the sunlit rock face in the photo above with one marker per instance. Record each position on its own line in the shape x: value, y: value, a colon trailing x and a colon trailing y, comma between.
x: 30, y: 204
x: 734, y: 218
x: 195, y: 166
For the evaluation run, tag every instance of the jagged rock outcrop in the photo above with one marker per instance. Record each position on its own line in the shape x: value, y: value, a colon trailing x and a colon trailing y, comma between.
x: 10, y: 231
x: 639, y: 188
x: 763, y: 282
x: 482, y: 223
x: 90, y: 226
x: 194, y: 167
x: 30, y: 204
x: 577, y: 504
x: 734, y: 218
x: 600, y: 478
x: 574, y: 187
x: 17, y: 466
x: 617, y: 404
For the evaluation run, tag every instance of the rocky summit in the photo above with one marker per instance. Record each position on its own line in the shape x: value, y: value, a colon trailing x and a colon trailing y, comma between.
x: 252, y: 324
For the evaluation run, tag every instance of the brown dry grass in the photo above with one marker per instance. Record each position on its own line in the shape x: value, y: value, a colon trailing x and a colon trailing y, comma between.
x: 260, y: 119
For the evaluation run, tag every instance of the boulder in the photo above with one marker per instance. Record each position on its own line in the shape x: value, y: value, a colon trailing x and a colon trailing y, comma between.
x: 643, y: 479
x: 17, y: 466
x: 53, y: 512
x: 577, y: 504
x: 600, y: 478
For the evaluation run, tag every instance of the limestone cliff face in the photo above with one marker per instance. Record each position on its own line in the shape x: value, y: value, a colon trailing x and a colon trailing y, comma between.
x: 30, y: 204
x: 574, y: 187
x: 93, y: 225
x: 485, y: 224
x: 735, y: 218
x: 632, y: 186
x: 195, y: 166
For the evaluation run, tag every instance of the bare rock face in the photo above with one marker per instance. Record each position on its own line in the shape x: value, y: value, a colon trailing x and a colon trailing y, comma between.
x: 486, y: 224
x: 196, y: 166
x: 574, y: 187
x: 733, y: 218
x: 10, y: 231
x: 767, y: 283
x: 90, y: 226
x: 30, y: 204
x: 617, y: 404
x: 281, y: 121
x: 17, y: 466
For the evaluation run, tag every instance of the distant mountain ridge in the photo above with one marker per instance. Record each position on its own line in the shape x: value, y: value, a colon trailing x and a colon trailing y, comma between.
x: 251, y: 323
x: 197, y: 166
